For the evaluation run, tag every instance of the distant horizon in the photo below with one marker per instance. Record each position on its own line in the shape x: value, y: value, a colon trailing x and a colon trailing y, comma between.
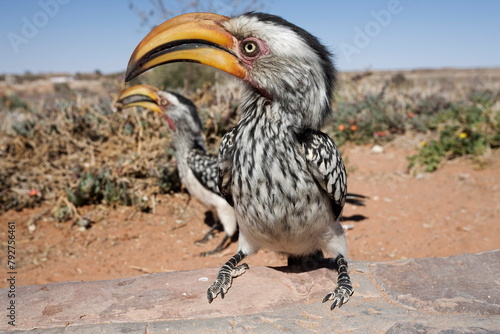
x: 54, y: 73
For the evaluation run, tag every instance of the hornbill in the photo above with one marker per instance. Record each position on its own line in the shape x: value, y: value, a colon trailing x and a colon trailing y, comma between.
x: 192, y: 156
x: 284, y: 177
x: 198, y: 169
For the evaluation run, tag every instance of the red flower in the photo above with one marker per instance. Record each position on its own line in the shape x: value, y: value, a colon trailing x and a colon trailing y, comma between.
x: 34, y: 192
x: 380, y: 134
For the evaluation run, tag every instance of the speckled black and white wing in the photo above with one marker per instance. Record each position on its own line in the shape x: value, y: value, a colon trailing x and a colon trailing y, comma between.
x: 325, y: 163
x: 226, y: 165
x: 205, y: 168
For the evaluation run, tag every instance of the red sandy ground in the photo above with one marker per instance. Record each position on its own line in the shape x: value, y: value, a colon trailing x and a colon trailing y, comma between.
x: 452, y: 211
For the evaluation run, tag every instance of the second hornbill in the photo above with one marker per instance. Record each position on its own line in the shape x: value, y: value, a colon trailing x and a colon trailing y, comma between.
x: 284, y: 177
x: 198, y: 169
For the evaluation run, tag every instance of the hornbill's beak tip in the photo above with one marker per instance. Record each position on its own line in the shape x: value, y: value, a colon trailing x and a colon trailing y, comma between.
x: 193, y: 37
x: 134, y: 67
x: 129, y: 75
x: 141, y: 96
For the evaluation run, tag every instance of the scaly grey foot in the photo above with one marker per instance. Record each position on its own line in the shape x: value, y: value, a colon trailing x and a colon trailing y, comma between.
x: 344, y: 290
x: 226, y: 275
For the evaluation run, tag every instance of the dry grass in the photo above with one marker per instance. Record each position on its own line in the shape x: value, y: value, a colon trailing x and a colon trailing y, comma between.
x: 75, y: 146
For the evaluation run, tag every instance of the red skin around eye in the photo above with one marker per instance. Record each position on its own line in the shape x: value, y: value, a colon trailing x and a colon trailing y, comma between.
x: 170, y: 122
x: 264, y: 50
x: 248, y: 61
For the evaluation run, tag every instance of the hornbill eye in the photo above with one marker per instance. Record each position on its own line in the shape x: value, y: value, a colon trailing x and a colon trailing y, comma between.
x: 250, y: 48
x: 163, y: 102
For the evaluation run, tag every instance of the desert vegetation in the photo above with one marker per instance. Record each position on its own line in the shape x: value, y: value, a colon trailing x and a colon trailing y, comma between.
x: 62, y: 141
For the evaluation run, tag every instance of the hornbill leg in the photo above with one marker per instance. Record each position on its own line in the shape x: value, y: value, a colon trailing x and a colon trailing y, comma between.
x: 344, y: 290
x: 210, y: 233
x: 217, y: 249
x: 225, y: 277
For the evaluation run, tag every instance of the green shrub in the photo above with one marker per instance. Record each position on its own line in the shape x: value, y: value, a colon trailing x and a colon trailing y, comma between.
x: 12, y: 102
x: 185, y: 76
x: 168, y: 178
x: 372, y: 119
x: 464, y: 130
x: 99, y: 186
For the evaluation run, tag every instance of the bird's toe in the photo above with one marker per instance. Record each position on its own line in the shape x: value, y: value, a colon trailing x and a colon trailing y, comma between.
x: 339, y: 297
x: 239, y: 270
x: 214, y: 290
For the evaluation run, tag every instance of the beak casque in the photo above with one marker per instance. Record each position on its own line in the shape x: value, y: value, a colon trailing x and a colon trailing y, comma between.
x: 193, y: 37
x: 139, y: 96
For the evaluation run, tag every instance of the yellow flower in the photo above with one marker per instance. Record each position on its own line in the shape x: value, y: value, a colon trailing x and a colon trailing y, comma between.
x: 423, y: 143
x: 462, y: 135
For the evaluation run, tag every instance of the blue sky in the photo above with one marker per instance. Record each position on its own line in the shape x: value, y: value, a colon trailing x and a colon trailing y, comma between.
x: 86, y: 35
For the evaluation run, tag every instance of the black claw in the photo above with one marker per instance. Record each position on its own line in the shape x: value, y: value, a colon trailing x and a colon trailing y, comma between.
x: 210, y: 298
x: 222, y: 293
x: 333, y: 305
x: 327, y: 297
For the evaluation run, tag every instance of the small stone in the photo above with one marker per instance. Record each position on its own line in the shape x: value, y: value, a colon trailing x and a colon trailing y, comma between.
x: 420, y: 176
x: 84, y: 222
x: 463, y: 176
x: 377, y: 149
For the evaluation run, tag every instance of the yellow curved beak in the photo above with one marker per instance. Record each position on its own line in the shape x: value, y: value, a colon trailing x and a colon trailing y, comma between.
x: 193, y: 37
x: 139, y: 96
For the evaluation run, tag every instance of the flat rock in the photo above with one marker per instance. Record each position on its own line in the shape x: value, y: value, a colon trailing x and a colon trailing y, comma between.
x: 459, y: 294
